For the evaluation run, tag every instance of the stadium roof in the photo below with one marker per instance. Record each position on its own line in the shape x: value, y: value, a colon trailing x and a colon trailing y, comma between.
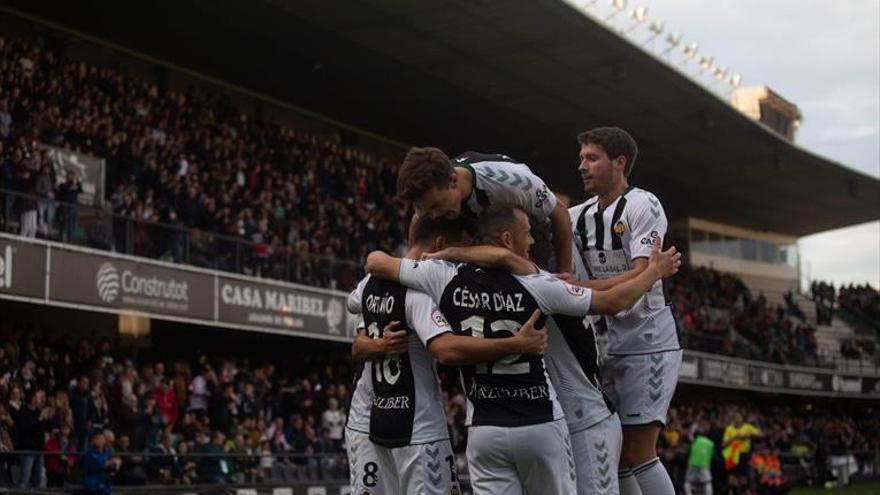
x: 516, y: 76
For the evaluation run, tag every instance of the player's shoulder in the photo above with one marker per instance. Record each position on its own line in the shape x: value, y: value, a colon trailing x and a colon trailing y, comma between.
x: 545, y: 283
x: 575, y: 211
x: 416, y: 297
x: 476, y: 157
x: 639, y: 196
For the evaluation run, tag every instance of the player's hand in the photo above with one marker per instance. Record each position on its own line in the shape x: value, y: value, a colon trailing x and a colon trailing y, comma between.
x: 666, y: 263
x: 533, y: 340
x: 393, y: 341
x: 567, y: 277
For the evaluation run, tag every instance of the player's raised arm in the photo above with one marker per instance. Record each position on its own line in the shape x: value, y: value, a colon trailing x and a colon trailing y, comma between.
x: 450, y: 349
x: 383, y: 265
x: 560, y: 223
x: 661, y: 264
x: 487, y: 257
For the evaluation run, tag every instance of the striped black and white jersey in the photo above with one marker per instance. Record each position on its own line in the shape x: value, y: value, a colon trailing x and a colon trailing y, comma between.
x: 607, y: 241
x: 407, y: 405
x: 572, y: 359
x: 500, y: 180
x: 484, y: 303
x: 361, y: 396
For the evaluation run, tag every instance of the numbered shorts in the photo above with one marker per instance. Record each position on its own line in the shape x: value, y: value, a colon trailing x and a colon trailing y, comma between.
x: 596, y: 453
x: 641, y: 386
x: 363, y: 464
x: 533, y: 460
x: 427, y: 468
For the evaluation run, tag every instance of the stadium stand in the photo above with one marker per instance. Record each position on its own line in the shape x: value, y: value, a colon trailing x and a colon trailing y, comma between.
x: 192, y: 160
x: 198, y: 181
x: 282, y: 421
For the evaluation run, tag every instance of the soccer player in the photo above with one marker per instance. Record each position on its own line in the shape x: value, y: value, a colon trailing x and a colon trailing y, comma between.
x: 572, y: 359
x: 363, y: 460
x: 472, y: 182
x: 517, y: 439
x: 613, y: 234
x: 407, y: 421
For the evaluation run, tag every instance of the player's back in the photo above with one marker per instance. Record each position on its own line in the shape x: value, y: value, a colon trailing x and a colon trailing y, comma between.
x: 407, y: 406
x: 513, y: 391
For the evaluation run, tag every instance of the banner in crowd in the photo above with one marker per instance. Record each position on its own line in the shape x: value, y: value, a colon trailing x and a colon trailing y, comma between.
x: 101, y: 281
x: 280, y: 306
x: 130, y: 285
x: 21, y: 268
x: 89, y: 170
x: 715, y: 370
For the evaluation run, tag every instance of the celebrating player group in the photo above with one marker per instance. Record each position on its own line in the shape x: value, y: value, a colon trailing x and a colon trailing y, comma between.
x: 506, y: 283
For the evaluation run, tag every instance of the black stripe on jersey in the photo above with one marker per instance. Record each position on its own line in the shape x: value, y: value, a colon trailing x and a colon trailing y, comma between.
x: 600, y: 228
x: 392, y: 414
x: 581, y: 339
x: 616, y: 242
x: 471, y: 157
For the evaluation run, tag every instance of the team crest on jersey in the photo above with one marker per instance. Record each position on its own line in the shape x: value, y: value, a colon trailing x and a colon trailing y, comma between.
x: 602, y: 257
x: 619, y: 228
x: 575, y: 290
x: 439, y: 319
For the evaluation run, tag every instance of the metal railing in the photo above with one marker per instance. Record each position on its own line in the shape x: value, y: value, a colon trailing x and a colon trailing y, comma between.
x: 99, y: 228
x: 210, y: 468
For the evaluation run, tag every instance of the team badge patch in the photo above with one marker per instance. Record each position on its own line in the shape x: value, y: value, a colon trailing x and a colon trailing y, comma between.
x: 619, y: 228
x: 439, y: 319
x: 575, y: 290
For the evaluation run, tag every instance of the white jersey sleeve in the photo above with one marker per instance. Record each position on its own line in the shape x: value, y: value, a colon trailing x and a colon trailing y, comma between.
x: 425, y: 317
x: 647, y: 222
x: 555, y: 296
x: 428, y: 276
x: 355, y: 297
x: 508, y: 183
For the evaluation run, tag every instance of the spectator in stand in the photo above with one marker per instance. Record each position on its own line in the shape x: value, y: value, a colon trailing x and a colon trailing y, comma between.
x: 44, y: 188
x: 68, y: 195
x: 79, y: 403
x: 333, y: 420
x: 166, y: 402
x: 59, y: 467
x: 31, y: 425
x: 98, y: 466
x: 26, y: 187
x: 214, y: 468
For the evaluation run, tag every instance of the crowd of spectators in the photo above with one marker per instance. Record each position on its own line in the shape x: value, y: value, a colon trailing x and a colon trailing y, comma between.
x: 858, y: 305
x: 192, y: 159
x: 861, y: 304
x: 159, y: 417
x: 806, y: 443
x: 718, y: 313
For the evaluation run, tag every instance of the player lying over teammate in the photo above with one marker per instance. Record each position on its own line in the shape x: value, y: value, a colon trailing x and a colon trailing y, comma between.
x: 469, y: 184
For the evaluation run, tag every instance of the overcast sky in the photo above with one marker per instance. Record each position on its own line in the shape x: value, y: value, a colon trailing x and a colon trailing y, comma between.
x: 824, y: 56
